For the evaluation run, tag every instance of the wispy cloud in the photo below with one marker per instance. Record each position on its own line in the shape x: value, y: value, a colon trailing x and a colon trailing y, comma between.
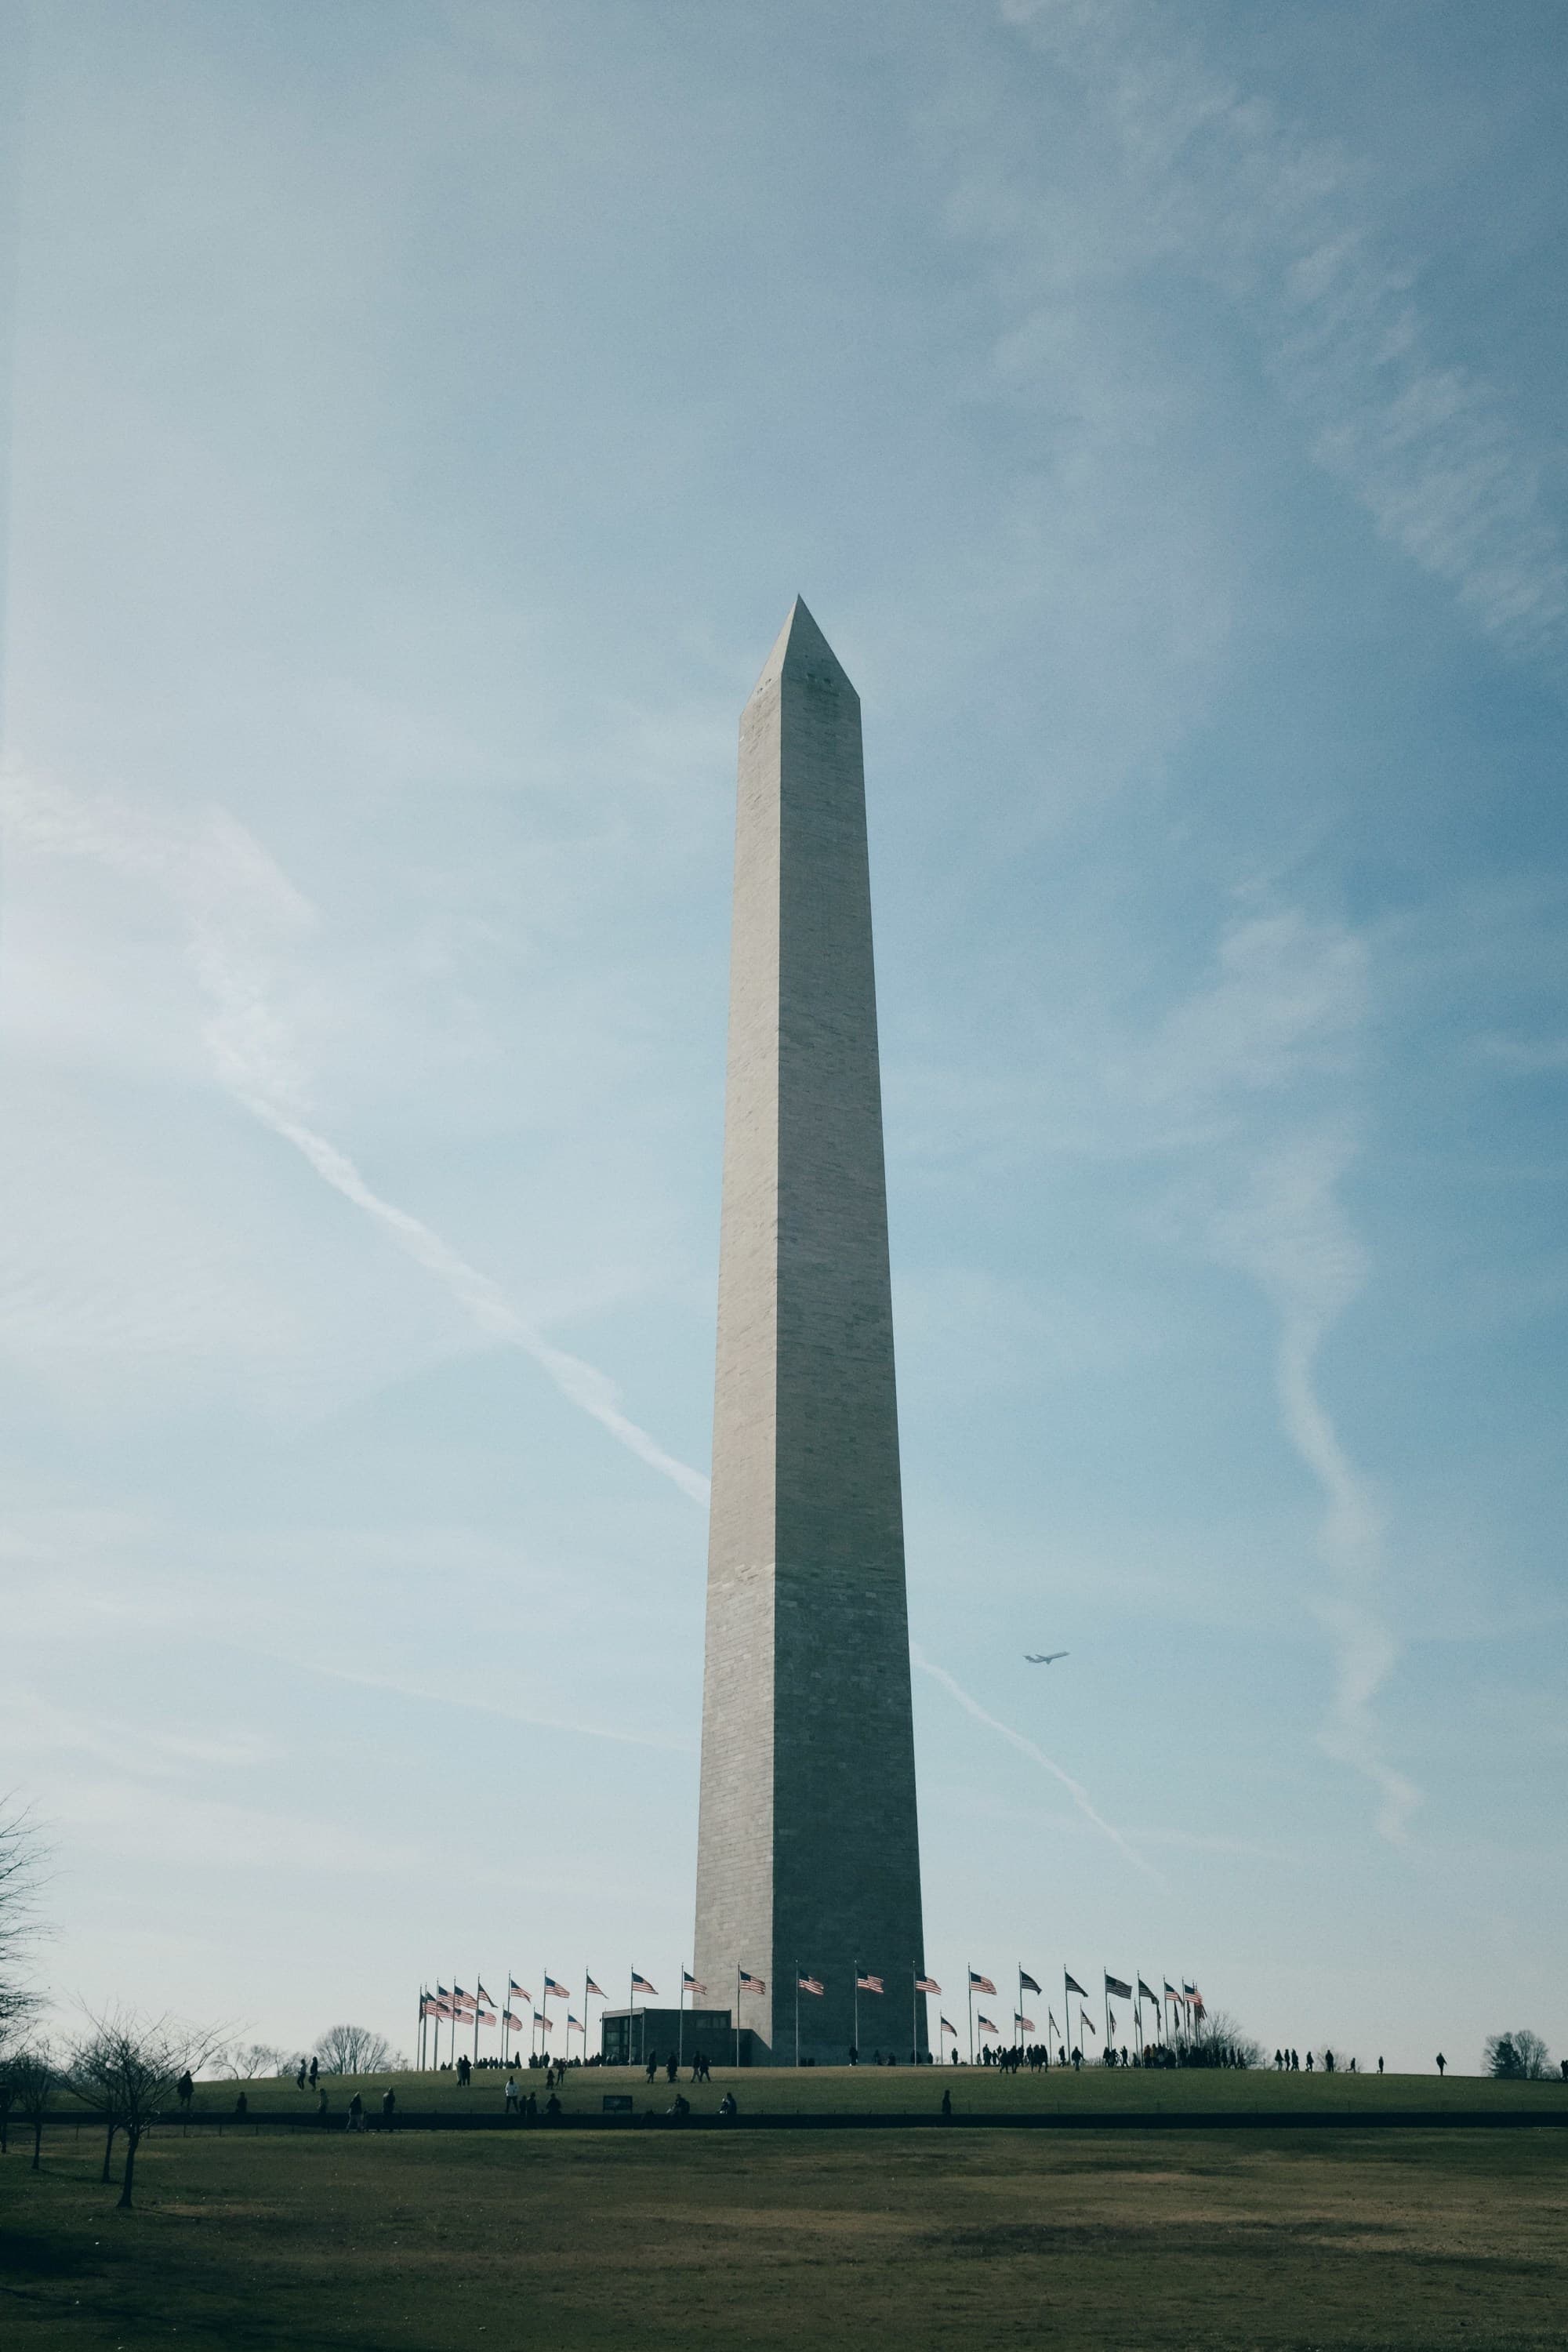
x: 1074, y: 1789
x: 1253, y: 1067
x: 1290, y: 1232
x: 1227, y: 186
x: 239, y: 910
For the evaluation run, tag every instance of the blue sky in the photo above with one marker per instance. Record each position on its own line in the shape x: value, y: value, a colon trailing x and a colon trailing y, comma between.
x: 421, y: 418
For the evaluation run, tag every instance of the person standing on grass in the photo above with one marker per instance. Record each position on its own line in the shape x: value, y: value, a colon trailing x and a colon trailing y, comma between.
x: 241, y: 2104
x: 511, y: 2095
x: 651, y: 2069
x: 1442, y: 2063
x: 1380, y: 2065
x: 947, y: 2098
x: 356, y: 2114
x: 315, y: 2070
x: 185, y: 2088
x: 299, y: 2077
x: 727, y: 2107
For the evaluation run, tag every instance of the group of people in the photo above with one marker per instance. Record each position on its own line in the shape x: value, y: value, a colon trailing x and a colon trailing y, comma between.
x: 1288, y: 2062
x: 702, y: 2069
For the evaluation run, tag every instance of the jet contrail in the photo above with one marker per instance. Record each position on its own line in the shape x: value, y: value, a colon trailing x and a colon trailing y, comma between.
x: 1074, y: 1789
x: 233, y: 897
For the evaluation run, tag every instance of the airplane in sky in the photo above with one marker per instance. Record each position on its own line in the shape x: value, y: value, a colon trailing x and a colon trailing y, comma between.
x: 1042, y: 1657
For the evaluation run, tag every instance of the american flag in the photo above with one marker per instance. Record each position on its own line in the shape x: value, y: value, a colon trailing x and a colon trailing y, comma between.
x: 484, y: 1996
x: 545, y: 2024
x: 1084, y: 2020
x: 1144, y: 1993
x: 590, y: 1989
x: 431, y: 2007
x: 1024, y: 2024
x: 868, y: 1984
x: 977, y: 1983
x: 809, y: 1984
x: 485, y: 2016
x: 515, y: 2022
x: 688, y: 1982
x: 1111, y: 2021
x: 749, y: 1983
x: 927, y: 1984
x: 985, y: 2025
x: 1027, y: 1981
x: 514, y: 1992
x: 948, y: 2027
x: 1071, y: 1984
x: 1171, y: 1992
x: 1115, y: 1985
x: 641, y: 1984
x: 553, y: 1991
x: 573, y: 2024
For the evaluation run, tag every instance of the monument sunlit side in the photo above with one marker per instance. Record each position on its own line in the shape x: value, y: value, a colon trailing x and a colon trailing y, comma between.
x: 808, y: 1858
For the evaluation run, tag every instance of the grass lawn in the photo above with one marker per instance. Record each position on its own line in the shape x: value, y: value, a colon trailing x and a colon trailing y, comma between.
x: 1385, y: 2241
x: 891, y: 2089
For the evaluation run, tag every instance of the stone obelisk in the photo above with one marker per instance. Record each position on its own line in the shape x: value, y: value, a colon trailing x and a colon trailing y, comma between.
x: 808, y: 1852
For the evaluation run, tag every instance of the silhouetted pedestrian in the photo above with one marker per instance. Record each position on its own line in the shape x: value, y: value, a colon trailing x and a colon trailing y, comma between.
x: 947, y: 2099
x: 1442, y: 2063
x: 727, y: 2105
x: 315, y: 2070
x: 356, y: 2114
x: 241, y: 2104
x: 388, y: 2107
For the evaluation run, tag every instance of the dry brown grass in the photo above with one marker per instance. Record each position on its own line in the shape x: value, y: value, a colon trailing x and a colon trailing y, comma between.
x: 1311, y: 2243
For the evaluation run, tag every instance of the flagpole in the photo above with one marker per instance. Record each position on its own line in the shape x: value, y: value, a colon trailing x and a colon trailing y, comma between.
x: 680, y: 2022
x: 1106, y: 1982
x: 969, y: 1972
x: 914, y: 2018
x: 797, y: 2017
x: 737, y: 2017
x: 856, y: 2009
x: 1066, y: 2014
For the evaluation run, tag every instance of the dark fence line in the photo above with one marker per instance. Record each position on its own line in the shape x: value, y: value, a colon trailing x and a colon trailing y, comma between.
x: 1134, y: 2120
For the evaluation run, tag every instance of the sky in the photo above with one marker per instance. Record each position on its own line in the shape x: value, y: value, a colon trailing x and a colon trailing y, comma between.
x: 420, y: 419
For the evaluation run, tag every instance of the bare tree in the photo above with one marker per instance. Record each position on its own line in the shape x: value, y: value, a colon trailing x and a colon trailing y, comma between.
x: 355, y: 2049
x: 1214, y: 2039
x: 249, y: 2059
x: 31, y: 2076
x: 20, y: 1866
x: 1517, y: 2057
x: 131, y: 2066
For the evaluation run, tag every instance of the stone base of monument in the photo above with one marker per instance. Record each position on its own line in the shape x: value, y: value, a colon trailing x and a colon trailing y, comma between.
x: 630, y: 2037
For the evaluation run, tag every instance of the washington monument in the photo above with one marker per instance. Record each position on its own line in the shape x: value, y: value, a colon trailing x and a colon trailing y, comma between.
x: 808, y: 1862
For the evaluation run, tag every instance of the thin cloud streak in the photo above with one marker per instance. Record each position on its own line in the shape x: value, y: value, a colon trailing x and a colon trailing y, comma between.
x: 428, y: 1697
x: 236, y: 902
x: 1291, y: 1235
x: 1074, y: 1789
x: 1244, y: 197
